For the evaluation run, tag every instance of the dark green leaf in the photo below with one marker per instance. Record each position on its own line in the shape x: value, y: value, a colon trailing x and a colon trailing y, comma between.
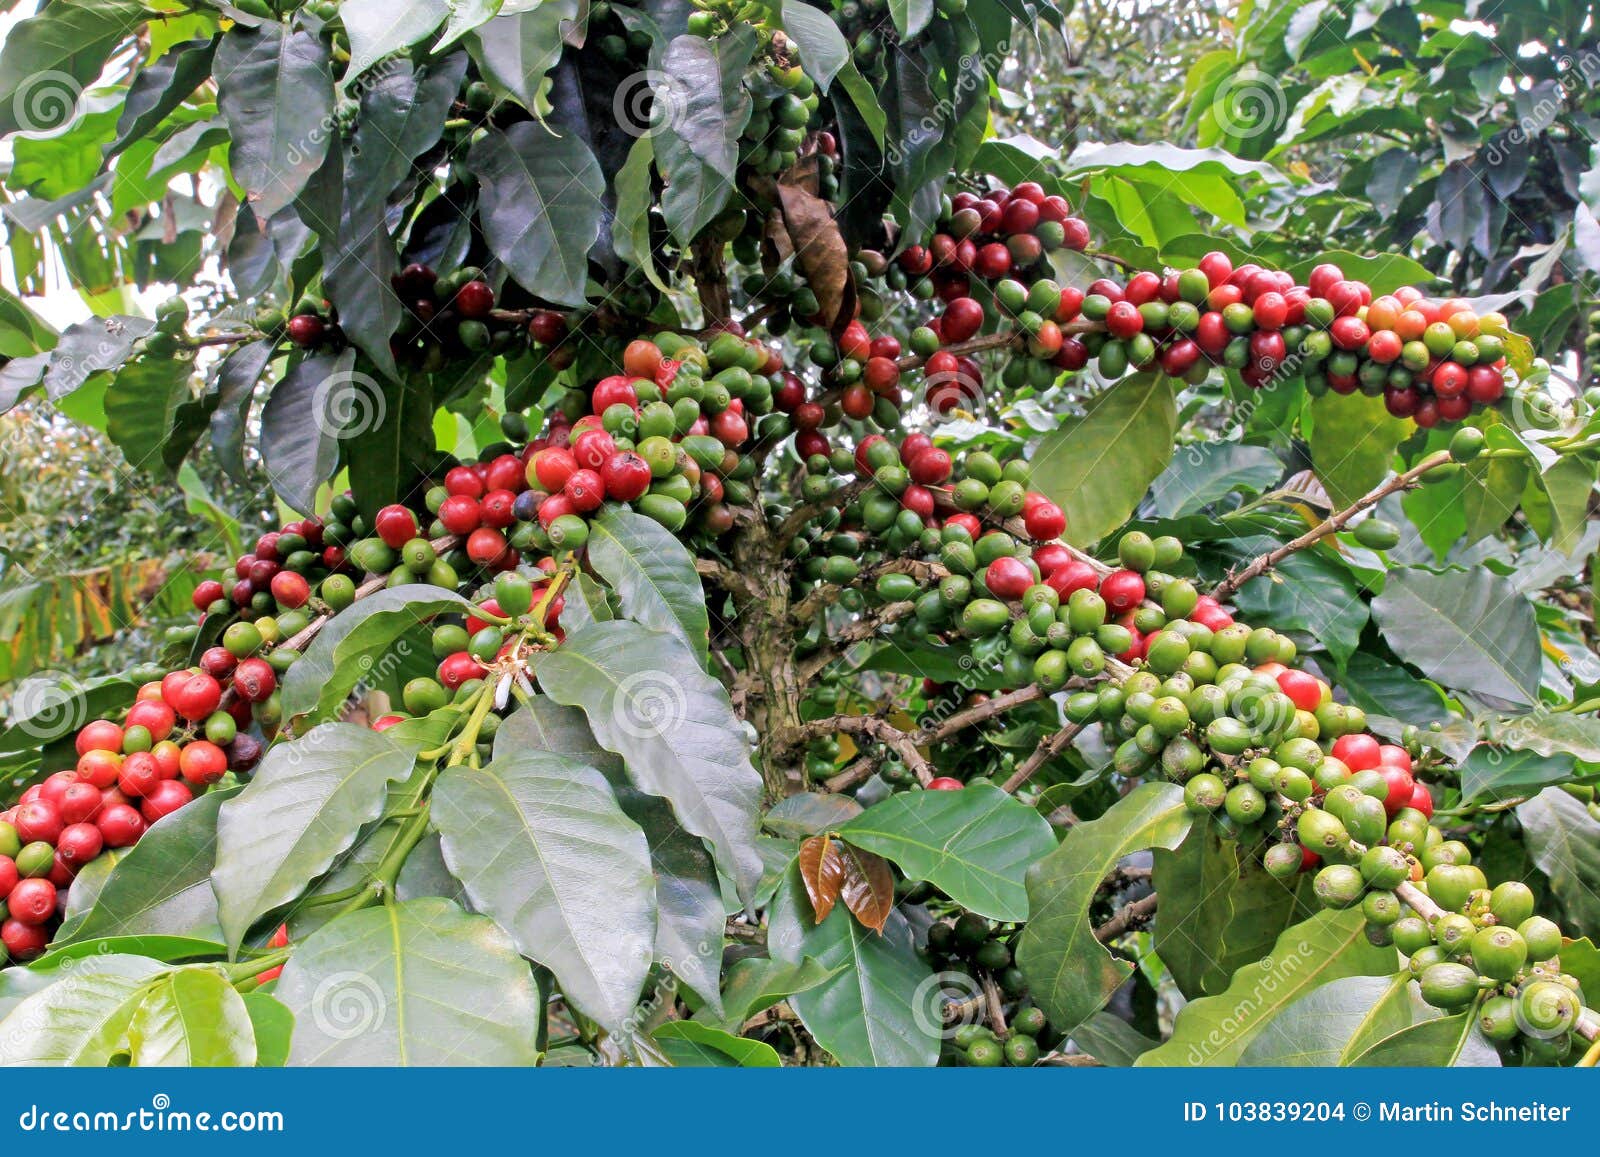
x: 304, y: 806
x: 516, y: 51
x: 1097, y: 467
x: 1563, y: 840
x: 151, y: 414
x: 192, y: 1018
x: 690, y: 1044
x: 162, y: 885
x: 300, y: 428
x: 653, y: 574
x: 705, y: 109
x: 1311, y: 594
x: 160, y: 87
x: 543, y: 848
x: 236, y: 383
x: 974, y: 845
x: 1491, y: 772
x: 1469, y: 630
x: 343, y: 654
x: 648, y: 701
x: 1216, y: 1030
x: 415, y: 983
x: 275, y: 87
x: 1352, y: 441
x: 540, y: 207
x: 1219, y: 910
x: 910, y: 16
x: 377, y: 28
x: 87, y: 347
x: 1444, y: 1042
x: 881, y: 1006
x: 630, y: 232
x: 1337, y: 1022
x: 823, y: 48
x: 1201, y: 473
x: 757, y: 983
x: 1070, y: 973
x: 808, y: 813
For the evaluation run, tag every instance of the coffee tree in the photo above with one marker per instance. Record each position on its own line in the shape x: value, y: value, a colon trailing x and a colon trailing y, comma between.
x: 766, y: 571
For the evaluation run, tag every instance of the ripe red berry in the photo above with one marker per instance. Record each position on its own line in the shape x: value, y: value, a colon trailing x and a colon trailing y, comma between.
x: 23, y: 941
x: 1422, y: 800
x: 486, y: 546
x: 396, y: 525
x: 464, y: 480
x: 460, y: 514
x: 962, y: 319
x: 80, y: 843
x: 290, y: 589
x: 32, y: 901
x: 1217, y: 267
x: 474, y: 300
x: 195, y: 697
x: 1302, y: 687
x: 1358, y: 752
x: 155, y: 716
x: 101, y: 735
x: 140, y: 773
x: 254, y: 680
x: 207, y: 593
x: 169, y: 795
x: 1122, y: 590
x: 1044, y: 521
x: 626, y: 476
x: 306, y: 330
x: 498, y: 509
x: 1075, y: 233
x: 98, y: 768
x: 586, y: 489
x: 121, y: 825
x: 458, y: 668
x: 1073, y: 575
x: 1123, y: 320
x: 945, y: 783
x: 37, y: 820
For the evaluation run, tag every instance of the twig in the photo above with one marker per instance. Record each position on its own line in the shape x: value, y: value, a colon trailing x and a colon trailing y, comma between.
x: 991, y: 341
x: 858, y: 772
x: 1071, y: 1061
x: 874, y: 728
x: 1331, y: 525
x: 1048, y: 748
x: 1136, y: 913
x: 989, y: 708
x: 994, y: 1006
x: 800, y: 516
x: 723, y: 575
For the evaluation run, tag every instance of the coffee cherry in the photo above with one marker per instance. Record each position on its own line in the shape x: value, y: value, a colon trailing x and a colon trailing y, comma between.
x: 306, y: 330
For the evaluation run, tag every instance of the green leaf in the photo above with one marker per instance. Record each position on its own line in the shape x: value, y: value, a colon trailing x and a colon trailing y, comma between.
x: 1489, y: 491
x: 823, y: 48
x: 1563, y: 840
x: 151, y: 414
x: 974, y: 845
x: 274, y: 1027
x: 1352, y: 442
x: 1444, y: 1042
x: 690, y: 1044
x: 162, y: 885
x: 807, y: 813
x: 1219, y: 910
x: 1204, y: 472
x: 1568, y: 483
x: 50, y: 706
x: 466, y: 15
x: 236, y: 383
x: 1310, y: 593
x: 345, y: 651
x: 516, y: 51
x: 540, y: 207
x: 1070, y: 973
x: 542, y: 847
x: 82, y: 1017
x: 415, y: 983
x: 706, y: 109
x: 299, y: 428
x: 910, y: 16
x: 649, y: 701
x: 1380, y: 687
x: 1500, y: 773
x: 1098, y: 466
x: 160, y: 87
x: 1336, y: 1022
x: 1553, y: 733
x: 49, y: 59
x: 1469, y: 630
x: 402, y: 116
x: 880, y: 1008
x: 630, y: 231
x: 653, y: 574
x: 304, y: 805
x: 377, y: 28
x: 1216, y: 1030
x: 87, y: 347
x: 275, y: 88
x: 757, y: 983
x: 192, y: 1018
x: 1111, y: 1040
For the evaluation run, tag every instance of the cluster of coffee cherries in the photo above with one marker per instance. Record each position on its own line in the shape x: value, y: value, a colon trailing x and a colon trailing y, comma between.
x: 968, y: 943
x: 663, y: 436
x: 785, y: 103
x: 988, y: 237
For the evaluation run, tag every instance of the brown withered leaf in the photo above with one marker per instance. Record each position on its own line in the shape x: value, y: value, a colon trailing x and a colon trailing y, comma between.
x: 822, y: 869
x: 868, y: 887
x: 821, y: 255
